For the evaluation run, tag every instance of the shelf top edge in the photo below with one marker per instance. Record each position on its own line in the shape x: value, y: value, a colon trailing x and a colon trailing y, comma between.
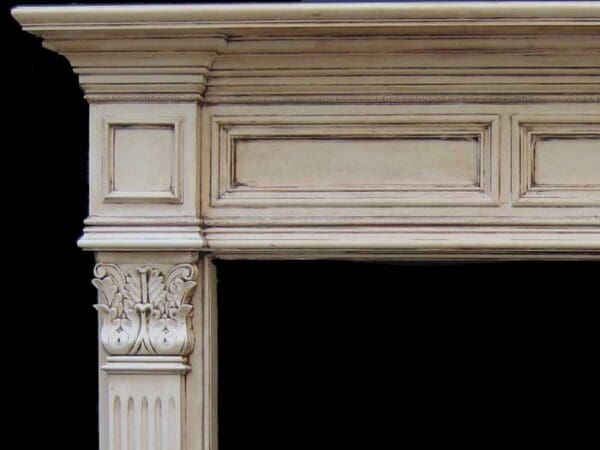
x: 292, y: 15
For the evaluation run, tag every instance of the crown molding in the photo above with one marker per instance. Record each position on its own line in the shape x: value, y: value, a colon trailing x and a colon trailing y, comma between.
x: 173, y: 53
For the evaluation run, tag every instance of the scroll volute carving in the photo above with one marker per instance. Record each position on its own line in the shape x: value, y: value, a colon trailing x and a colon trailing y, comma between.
x: 144, y: 310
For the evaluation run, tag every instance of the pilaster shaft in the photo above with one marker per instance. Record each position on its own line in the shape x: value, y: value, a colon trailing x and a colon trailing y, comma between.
x: 146, y: 402
x: 145, y: 305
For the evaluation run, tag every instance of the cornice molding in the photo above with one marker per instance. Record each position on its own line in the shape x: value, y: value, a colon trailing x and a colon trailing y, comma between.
x: 167, y: 53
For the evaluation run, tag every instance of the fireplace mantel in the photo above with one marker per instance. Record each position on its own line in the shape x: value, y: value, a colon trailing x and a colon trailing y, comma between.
x: 352, y: 131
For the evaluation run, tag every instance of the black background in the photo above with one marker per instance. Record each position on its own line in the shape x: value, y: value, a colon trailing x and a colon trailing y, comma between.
x: 313, y: 354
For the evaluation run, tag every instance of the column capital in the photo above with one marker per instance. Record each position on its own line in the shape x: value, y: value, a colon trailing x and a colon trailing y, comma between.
x: 144, y: 309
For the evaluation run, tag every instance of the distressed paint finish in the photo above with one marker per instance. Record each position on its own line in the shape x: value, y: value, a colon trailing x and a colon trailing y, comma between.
x: 385, y: 131
x: 146, y: 407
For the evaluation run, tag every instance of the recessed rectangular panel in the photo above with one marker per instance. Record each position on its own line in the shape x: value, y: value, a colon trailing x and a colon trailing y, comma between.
x: 567, y: 161
x: 558, y: 158
x: 392, y: 161
x: 143, y: 158
x: 355, y: 160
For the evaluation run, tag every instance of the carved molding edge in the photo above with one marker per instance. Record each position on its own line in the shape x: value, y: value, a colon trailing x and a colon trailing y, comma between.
x: 403, y: 98
x: 145, y: 311
x: 143, y: 98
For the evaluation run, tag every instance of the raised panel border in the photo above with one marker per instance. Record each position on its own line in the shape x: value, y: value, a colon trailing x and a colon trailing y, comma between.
x: 526, y: 131
x: 225, y: 130
x: 110, y: 195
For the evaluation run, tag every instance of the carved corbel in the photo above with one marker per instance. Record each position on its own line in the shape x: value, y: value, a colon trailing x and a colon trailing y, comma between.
x: 145, y: 310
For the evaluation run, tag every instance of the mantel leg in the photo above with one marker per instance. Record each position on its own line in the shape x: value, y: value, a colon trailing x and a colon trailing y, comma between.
x: 148, y: 304
x: 146, y: 402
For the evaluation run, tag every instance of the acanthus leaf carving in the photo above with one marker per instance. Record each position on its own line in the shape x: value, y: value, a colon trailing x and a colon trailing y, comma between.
x: 145, y: 311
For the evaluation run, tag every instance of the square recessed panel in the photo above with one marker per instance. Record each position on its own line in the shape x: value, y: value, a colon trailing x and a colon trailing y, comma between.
x: 142, y: 163
x: 143, y: 158
x: 556, y: 160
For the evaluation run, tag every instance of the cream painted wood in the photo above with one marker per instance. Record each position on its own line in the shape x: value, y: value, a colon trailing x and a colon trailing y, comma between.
x: 559, y: 160
x: 317, y: 159
x: 158, y: 145
x: 355, y: 131
x: 146, y: 402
